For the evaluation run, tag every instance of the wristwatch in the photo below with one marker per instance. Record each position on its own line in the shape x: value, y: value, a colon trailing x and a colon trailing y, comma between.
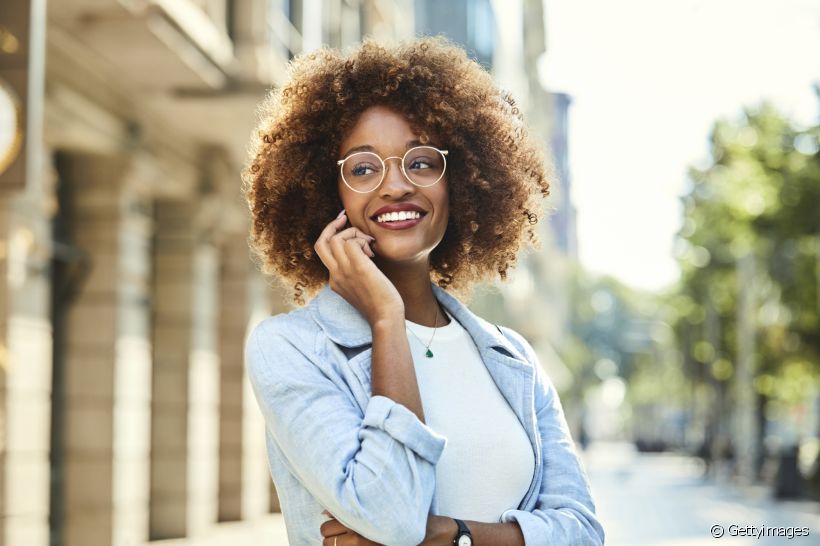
x: 463, y: 537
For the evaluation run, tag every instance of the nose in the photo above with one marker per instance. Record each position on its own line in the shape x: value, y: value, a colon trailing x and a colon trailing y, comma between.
x: 395, y: 184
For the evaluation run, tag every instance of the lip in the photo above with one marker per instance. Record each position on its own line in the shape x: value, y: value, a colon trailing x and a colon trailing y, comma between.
x: 401, y: 224
x: 398, y: 207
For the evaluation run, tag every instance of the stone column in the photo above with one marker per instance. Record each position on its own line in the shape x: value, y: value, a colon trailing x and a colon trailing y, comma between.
x: 25, y: 370
x: 25, y: 332
x: 257, y: 478
x: 245, y: 482
x: 185, y: 419
x: 242, y: 491
x: 108, y: 360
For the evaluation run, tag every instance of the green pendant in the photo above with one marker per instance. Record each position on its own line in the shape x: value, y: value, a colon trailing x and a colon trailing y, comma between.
x: 429, y: 353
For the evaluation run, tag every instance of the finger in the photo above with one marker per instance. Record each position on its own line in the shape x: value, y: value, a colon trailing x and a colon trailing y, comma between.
x: 352, y: 232
x: 332, y: 228
x: 322, y: 248
x: 338, y: 540
x: 365, y: 246
x: 332, y: 528
x: 336, y: 245
x: 355, y: 252
x: 323, y: 251
x: 368, y: 250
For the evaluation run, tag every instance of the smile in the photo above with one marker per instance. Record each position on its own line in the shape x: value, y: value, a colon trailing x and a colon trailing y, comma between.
x: 398, y: 216
x: 399, y: 220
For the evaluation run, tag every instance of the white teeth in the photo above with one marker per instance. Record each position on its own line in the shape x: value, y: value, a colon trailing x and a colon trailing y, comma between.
x: 398, y: 216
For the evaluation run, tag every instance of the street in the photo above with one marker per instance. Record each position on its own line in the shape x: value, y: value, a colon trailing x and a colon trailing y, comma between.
x: 662, y: 500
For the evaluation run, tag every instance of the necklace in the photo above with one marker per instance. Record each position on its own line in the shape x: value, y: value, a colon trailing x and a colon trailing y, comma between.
x: 429, y: 353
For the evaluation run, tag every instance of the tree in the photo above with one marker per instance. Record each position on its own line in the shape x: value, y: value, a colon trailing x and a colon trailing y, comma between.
x: 759, y: 197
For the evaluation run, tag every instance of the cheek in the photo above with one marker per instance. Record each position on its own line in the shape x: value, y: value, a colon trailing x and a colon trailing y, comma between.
x: 443, y: 202
x: 355, y: 206
x: 348, y: 198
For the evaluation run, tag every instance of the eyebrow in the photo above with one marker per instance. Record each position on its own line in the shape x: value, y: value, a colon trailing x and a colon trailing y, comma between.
x: 368, y: 148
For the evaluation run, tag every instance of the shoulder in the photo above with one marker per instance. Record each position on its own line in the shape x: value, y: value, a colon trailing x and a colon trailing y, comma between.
x: 295, y: 325
x: 542, y: 379
x: 283, y: 335
x: 520, y: 343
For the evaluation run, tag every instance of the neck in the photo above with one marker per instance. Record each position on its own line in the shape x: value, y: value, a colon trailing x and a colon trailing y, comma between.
x: 413, y: 284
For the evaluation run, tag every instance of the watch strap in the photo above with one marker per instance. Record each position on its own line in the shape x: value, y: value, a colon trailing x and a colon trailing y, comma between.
x: 463, y: 530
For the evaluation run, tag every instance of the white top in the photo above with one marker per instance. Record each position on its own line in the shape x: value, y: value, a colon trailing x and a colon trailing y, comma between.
x: 488, y: 462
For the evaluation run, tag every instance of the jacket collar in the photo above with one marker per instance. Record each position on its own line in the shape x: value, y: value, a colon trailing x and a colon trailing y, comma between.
x: 345, y: 326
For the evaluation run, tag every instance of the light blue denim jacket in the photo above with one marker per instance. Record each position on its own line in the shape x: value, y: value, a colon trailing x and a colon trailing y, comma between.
x: 370, y: 461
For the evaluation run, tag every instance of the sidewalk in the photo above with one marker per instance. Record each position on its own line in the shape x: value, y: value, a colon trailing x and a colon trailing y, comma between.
x: 662, y: 500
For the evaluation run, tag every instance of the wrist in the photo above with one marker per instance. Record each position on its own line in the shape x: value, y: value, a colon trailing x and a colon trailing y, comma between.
x: 388, y: 322
x: 467, y: 537
x: 447, y: 530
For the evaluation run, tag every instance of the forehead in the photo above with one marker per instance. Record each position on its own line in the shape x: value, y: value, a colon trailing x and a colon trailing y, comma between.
x: 379, y: 126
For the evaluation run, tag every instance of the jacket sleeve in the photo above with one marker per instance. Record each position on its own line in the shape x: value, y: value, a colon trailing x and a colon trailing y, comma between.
x: 564, y: 512
x: 375, y: 472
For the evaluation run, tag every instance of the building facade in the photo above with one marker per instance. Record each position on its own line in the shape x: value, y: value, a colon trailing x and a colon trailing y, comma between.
x: 127, y: 286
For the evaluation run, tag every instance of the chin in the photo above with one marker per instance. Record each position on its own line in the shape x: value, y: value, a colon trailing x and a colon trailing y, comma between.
x: 402, y: 253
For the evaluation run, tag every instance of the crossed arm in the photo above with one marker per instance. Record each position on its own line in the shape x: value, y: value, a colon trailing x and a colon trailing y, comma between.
x: 441, y: 530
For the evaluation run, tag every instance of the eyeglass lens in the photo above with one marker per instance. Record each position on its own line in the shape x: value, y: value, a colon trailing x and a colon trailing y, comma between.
x: 363, y: 171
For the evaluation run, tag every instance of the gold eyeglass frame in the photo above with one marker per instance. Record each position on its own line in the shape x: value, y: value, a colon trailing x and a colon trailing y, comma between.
x: 401, y: 164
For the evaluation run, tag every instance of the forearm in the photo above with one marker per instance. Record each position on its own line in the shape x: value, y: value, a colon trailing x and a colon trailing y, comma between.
x: 392, y: 372
x: 441, y: 530
x: 495, y: 534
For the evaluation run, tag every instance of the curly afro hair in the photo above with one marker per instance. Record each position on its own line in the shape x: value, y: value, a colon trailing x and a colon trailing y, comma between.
x: 497, y: 172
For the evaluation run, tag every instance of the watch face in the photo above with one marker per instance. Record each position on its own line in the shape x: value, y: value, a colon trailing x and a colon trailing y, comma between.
x: 464, y: 540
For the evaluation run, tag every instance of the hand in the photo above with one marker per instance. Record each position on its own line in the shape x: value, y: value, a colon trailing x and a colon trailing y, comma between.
x: 336, y: 534
x: 441, y: 531
x: 346, y: 254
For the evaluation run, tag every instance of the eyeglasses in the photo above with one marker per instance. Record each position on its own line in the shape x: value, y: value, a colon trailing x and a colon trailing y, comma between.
x: 423, y: 166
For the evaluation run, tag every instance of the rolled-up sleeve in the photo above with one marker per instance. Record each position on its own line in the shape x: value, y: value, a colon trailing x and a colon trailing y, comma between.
x: 375, y: 472
x: 564, y: 512
x: 404, y: 426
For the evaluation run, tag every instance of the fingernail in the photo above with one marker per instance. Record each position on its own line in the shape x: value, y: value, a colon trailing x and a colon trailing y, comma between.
x: 370, y: 237
x: 341, y: 214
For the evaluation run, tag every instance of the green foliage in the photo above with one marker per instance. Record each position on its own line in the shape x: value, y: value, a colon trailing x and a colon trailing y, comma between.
x: 609, y: 321
x: 760, y: 196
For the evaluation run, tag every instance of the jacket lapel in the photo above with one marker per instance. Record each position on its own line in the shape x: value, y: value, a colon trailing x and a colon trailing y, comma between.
x: 510, y: 370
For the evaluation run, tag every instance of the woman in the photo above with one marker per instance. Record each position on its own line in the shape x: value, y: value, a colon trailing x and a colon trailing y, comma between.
x: 390, y: 407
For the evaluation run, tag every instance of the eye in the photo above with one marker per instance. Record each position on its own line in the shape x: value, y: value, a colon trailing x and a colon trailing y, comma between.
x: 363, y: 169
x: 420, y: 163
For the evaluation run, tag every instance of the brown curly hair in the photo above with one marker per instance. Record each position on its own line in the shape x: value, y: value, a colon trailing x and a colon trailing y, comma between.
x: 497, y: 172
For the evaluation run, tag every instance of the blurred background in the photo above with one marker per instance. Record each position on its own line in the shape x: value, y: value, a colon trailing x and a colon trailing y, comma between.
x: 675, y: 299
